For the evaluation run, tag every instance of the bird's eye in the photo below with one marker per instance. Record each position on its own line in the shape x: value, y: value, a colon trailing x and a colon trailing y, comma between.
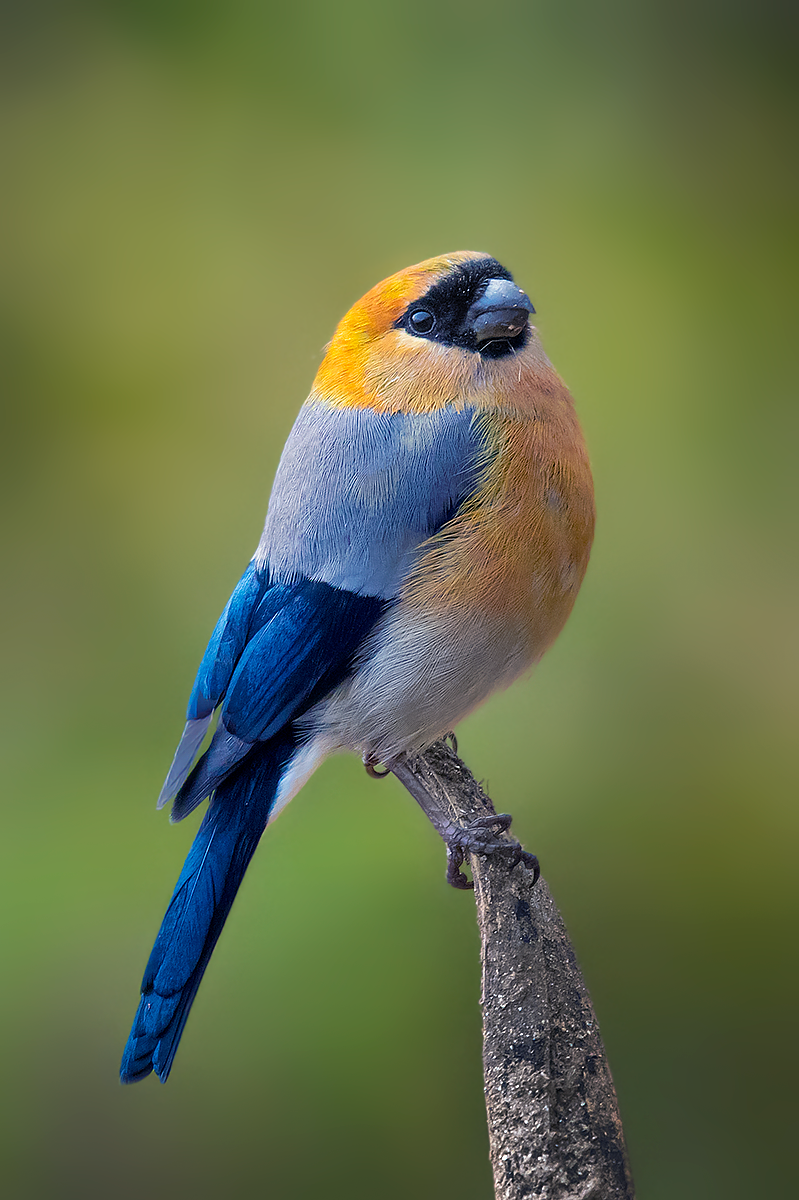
x: 422, y: 321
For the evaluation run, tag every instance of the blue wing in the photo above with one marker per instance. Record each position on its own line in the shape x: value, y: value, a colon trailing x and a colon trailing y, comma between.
x: 302, y: 640
x: 251, y: 606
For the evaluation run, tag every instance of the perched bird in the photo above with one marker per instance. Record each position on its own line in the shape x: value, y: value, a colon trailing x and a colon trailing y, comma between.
x: 428, y: 529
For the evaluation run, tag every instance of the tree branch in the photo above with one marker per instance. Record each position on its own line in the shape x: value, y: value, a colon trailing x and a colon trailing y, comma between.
x: 553, y: 1117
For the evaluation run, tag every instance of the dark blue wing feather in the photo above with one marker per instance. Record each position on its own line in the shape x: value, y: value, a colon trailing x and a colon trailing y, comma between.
x: 305, y: 649
x: 253, y: 603
x: 219, y: 662
x: 223, y: 755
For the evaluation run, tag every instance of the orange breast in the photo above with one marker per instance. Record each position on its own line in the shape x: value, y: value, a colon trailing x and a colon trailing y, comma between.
x: 518, y: 552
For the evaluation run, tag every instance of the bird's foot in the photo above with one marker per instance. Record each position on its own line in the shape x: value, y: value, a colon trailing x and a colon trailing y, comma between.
x: 481, y: 836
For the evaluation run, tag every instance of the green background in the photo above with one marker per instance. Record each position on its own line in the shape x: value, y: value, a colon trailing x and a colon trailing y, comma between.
x: 194, y: 193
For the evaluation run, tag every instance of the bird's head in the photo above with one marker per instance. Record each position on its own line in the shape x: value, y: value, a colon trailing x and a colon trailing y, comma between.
x: 431, y: 335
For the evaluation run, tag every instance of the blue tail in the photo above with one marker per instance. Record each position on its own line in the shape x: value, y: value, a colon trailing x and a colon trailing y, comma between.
x: 203, y: 895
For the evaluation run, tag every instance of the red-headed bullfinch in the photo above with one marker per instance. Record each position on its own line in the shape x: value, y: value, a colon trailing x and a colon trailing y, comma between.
x: 428, y: 529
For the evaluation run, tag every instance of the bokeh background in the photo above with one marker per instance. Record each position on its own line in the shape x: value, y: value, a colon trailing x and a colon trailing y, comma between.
x: 194, y: 193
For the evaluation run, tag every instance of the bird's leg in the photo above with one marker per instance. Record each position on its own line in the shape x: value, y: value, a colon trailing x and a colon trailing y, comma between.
x: 480, y: 836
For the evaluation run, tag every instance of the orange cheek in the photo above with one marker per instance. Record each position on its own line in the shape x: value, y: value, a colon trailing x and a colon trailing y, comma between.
x: 394, y: 373
x: 340, y: 378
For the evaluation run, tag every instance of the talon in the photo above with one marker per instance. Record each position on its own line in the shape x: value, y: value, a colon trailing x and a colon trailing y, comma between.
x: 531, y: 862
x: 455, y: 877
x: 372, y: 769
x: 515, y: 856
x: 453, y: 741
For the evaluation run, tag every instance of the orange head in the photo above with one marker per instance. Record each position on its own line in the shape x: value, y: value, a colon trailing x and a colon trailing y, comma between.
x: 450, y: 330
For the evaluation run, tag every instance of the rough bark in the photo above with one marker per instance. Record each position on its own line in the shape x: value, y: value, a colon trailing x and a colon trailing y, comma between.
x: 553, y: 1117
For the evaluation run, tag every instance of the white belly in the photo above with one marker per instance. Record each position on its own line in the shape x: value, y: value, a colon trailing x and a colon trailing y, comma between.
x: 415, y: 681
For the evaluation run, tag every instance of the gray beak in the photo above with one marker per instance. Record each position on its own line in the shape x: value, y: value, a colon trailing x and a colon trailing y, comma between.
x: 500, y: 312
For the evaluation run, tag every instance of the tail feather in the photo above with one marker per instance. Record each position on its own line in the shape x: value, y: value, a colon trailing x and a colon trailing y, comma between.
x: 202, y: 899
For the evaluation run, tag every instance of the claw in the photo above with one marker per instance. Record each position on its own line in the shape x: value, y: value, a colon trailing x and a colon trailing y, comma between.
x: 372, y: 769
x: 481, y: 837
x: 455, y: 877
x: 515, y: 857
x: 531, y: 862
x: 453, y: 741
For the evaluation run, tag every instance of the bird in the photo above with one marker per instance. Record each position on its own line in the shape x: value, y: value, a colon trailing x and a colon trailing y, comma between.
x: 428, y: 529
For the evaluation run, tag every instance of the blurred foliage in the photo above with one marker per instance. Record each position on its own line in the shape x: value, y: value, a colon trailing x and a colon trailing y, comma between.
x: 194, y: 193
